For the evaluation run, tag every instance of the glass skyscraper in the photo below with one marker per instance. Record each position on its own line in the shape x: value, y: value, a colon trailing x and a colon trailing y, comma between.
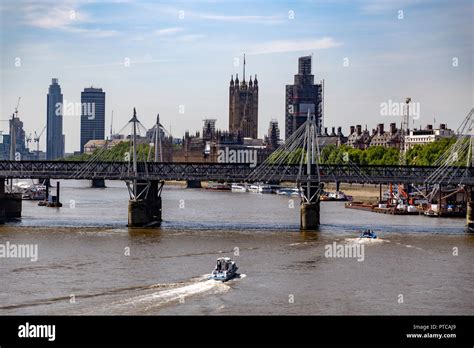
x: 93, y: 115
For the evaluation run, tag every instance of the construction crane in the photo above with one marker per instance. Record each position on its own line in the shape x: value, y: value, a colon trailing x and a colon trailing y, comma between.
x: 404, y: 132
x: 17, y: 105
x: 28, y: 139
x: 13, y: 132
x: 37, y: 140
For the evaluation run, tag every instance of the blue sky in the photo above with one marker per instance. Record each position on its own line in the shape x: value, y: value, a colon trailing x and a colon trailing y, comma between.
x: 183, y: 53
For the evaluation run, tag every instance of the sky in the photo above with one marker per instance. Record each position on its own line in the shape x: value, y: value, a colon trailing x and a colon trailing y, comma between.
x: 176, y: 59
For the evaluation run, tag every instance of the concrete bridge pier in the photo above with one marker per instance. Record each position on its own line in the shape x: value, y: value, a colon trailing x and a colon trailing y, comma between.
x: 310, y: 216
x: 10, y: 204
x: 145, y: 209
x: 98, y: 183
x: 193, y: 184
x: 470, y: 209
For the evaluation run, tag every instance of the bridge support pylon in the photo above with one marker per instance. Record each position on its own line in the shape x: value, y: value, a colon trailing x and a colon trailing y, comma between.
x: 470, y: 209
x: 193, y: 184
x: 310, y: 208
x: 98, y: 183
x: 144, y: 206
x: 10, y: 204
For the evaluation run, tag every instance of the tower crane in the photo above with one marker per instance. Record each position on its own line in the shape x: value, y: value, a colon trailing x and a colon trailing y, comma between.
x: 17, y: 105
x: 36, y: 139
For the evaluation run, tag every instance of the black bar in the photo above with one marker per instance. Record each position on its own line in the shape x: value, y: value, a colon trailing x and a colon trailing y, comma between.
x: 214, y: 330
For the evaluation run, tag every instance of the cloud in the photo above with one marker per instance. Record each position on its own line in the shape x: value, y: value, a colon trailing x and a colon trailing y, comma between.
x: 252, y: 19
x: 380, y: 6
x: 51, y: 16
x: 167, y: 31
x: 281, y: 46
x: 64, y: 17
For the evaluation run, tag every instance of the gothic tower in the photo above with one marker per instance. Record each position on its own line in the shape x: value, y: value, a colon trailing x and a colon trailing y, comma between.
x: 243, y: 106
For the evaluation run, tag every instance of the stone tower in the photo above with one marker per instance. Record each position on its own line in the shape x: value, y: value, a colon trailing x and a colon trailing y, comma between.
x: 243, y: 106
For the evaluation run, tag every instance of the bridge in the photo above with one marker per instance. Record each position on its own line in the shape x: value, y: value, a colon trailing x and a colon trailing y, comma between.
x: 232, y: 172
x: 297, y: 160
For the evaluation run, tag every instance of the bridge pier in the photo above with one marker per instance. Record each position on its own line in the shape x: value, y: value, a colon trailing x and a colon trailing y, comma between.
x: 10, y: 204
x: 310, y: 214
x: 98, y: 183
x: 145, y: 210
x: 470, y: 209
x: 193, y: 184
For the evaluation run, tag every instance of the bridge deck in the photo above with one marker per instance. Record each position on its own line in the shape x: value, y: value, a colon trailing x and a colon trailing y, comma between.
x: 227, y: 172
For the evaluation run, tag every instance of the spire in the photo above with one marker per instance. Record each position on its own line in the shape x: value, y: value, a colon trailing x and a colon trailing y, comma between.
x: 255, y: 82
x: 237, y: 79
x: 231, y: 80
x: 244, y: 68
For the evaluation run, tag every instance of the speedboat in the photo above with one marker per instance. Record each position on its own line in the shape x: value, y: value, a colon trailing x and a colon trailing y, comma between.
x: 368, y: 234
x: 225, y: 269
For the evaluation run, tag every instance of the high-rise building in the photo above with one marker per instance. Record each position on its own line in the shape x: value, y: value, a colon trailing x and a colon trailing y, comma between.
x: 243, y: 106
x: 54, y: 122
x: 273, y: 136
x: 92, y: 115
x: 301, y: 96
x: 17, y: 134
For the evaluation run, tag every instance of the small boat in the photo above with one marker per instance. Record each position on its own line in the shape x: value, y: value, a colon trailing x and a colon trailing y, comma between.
x: 260, y: 188
x: 288, y: 191
x: 225, y: 269
x: 336, y: 196
x: 218, y: 187
x: 239, y: 188
x: 36, y: 192
x: 368, y: 234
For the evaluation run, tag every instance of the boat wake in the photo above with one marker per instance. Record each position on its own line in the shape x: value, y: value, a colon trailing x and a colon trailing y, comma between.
x: 167, y: 294
x: 365, y: 241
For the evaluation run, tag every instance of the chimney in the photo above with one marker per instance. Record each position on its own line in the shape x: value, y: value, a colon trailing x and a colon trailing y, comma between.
x: 339, y: 130
x: 429, y: 127
x: 393, y: 128
x: 442, y: 126
x: 359, y: 129
x: 333, y: 133
x: 380, y: 128
x: 374, y: 132
x: 352, y: 129
x: 326, y: 131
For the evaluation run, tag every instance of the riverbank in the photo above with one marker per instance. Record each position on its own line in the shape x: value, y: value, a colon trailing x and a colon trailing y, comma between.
x: 364, y: 193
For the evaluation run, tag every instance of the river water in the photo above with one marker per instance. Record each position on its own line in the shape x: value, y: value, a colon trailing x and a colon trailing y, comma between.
x: 89, y: 262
